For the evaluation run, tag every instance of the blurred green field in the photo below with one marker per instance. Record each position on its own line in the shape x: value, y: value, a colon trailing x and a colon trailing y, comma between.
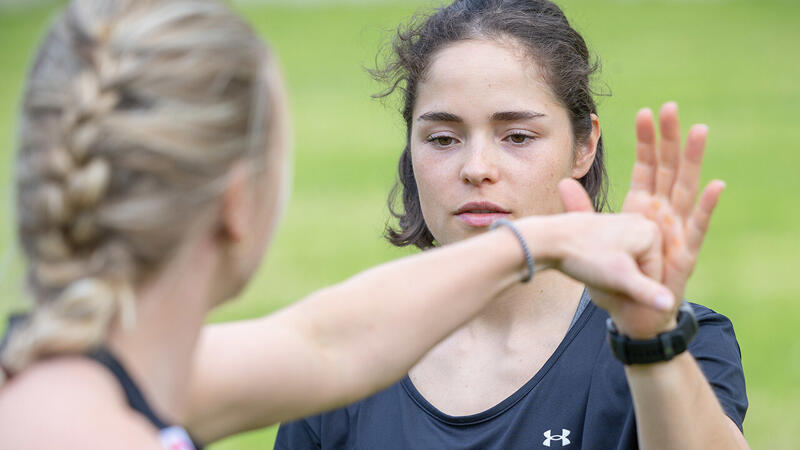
x: 731, y: 64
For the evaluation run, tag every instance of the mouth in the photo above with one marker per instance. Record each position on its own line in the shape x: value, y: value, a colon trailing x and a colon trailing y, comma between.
x: 481, y: 214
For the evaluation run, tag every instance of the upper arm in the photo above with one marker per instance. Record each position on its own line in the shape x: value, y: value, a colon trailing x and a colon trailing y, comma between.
x: 254, y: 373
x: 736, y: 430
x: 717, y: 353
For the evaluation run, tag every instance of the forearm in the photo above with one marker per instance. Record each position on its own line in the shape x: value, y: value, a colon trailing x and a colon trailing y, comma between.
x: 349, y: 340
x: 353, y: 339
x: 372, y: 328
x: 677, y: 409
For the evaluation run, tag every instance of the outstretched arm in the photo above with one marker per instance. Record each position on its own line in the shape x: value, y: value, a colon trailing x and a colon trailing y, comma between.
x: 675, y: 406
x: 350, y: 340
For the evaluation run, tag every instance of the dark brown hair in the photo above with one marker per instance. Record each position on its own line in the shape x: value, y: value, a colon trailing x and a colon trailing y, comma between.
x: 538, y: 25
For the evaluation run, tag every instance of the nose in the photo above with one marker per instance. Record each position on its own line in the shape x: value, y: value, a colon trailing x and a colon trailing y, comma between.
x: 479, y: 167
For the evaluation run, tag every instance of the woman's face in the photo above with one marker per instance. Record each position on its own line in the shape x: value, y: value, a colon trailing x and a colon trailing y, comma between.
x: 489, y: 140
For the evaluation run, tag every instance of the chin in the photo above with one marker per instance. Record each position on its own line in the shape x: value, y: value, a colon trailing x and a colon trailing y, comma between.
x: 462, y: 234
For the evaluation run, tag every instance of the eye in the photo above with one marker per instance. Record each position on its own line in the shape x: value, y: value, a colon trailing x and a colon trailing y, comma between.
x: 520, y: 138
x: 442, y: 140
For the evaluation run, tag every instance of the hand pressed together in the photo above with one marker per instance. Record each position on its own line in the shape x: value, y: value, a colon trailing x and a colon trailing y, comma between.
x: 664, y: 189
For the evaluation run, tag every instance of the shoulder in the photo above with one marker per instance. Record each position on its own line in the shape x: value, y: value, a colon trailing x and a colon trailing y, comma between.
x: 69, y: 403
x: 708, y: 315
x: 369, y: 419
x: 717, y: 352
x: 715, y: 330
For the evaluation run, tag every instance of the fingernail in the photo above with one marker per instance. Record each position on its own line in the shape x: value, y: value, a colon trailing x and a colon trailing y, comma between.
x: 664, y: 302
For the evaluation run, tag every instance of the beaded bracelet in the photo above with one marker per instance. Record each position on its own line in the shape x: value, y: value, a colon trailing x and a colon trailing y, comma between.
x: 525, y: 249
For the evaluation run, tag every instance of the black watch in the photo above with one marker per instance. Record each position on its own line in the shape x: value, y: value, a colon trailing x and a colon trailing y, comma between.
x: 662, y: 347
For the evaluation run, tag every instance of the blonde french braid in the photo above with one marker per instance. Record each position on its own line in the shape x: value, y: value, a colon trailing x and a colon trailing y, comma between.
x: 80, y: 283
x: 121, y: 150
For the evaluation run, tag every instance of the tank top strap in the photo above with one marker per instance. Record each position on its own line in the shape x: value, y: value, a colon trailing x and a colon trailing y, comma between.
x: 584, y: 302
x: 172, y: 437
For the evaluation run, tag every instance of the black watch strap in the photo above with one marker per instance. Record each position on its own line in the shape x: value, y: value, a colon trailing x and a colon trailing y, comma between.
x: 663, y: 347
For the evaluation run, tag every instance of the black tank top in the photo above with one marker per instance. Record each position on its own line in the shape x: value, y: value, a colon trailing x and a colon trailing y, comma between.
x: 172, y: 437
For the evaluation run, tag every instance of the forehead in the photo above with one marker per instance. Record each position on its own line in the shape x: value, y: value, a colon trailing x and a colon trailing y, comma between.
x: 484, y: 74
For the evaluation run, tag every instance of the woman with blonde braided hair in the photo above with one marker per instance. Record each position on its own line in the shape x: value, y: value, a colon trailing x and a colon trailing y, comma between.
x: 150, y: 176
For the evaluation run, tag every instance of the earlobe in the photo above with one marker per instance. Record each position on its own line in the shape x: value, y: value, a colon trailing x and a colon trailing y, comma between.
x: 585, y: 152
x: 233, y: 213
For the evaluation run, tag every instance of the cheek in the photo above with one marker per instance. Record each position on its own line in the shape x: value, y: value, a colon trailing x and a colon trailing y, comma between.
x: 426, y: 174
x: 537, y: 180
x: 434, y: 180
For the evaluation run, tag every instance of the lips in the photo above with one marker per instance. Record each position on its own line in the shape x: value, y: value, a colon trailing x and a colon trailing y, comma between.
x: 481, y: 214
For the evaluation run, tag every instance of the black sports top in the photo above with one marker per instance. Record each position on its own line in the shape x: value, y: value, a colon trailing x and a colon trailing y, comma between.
x: 579, y: 399
x: 172, y: 437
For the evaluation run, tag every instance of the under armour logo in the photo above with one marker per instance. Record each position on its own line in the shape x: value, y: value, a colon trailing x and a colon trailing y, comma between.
x: 556, y: 437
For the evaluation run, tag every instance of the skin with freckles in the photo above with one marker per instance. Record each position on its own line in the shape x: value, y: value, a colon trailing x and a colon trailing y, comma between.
x: 490, y: 131
x: 490, y: 140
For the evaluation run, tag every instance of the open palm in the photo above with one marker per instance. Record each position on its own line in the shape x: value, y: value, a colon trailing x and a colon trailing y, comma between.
x: 664, y: 189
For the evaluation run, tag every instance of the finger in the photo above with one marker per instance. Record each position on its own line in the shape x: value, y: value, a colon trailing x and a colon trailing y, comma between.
x: 684, y: 192
x: 642, y: 283
x: 610, y: 301
x: 669, y: 150
x: 677, y: 270
x: 651, y: 263
x: 670, y: 225
x: 649, y: 292
x: 574, y: 196
x: 701, y: 216
x: 644, y: 169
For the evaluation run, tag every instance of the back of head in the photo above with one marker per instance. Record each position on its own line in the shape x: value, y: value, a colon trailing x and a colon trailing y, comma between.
x: 133, y: 114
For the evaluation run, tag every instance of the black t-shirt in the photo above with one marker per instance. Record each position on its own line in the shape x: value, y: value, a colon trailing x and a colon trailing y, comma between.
x: 578, y: 399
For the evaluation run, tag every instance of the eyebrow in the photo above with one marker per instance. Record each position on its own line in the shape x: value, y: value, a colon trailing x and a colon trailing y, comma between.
x: 504, y: 116
x: 509, y: 116
x: 438, y: 116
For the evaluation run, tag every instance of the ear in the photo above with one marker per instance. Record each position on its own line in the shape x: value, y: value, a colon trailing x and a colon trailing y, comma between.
x: 234, y: 212
x: 585, y: 152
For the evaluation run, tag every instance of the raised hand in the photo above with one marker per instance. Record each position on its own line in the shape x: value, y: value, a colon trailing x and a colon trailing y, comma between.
x: 664, y: 189
x: 604, y: 251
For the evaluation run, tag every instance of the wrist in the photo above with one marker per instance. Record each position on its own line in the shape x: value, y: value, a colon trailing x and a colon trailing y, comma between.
x: 662, y: 347
x: 639, y: 332
x: 542, y: 241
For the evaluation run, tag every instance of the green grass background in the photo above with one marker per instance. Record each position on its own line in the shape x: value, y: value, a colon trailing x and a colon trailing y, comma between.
x: 731, y: 64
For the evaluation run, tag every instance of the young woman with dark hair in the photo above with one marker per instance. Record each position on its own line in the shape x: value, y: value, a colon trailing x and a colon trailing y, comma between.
x: 498, y: 108
x: 150, y: 172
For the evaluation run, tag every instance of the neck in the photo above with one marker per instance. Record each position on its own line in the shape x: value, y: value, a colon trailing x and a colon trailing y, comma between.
x: 158, y: 352
x: 549, y: 300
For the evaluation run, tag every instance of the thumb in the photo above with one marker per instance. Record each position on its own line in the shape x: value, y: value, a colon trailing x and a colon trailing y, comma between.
x: 649, y: 292
x: 574, y: 196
